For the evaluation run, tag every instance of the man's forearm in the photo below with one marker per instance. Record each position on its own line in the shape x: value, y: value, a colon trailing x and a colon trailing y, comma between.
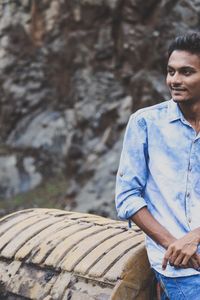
x: 145, y: 221
x: 174, y: 247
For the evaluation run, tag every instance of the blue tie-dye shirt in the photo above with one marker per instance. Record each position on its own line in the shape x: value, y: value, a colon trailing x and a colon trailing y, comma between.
x: 160, y: 168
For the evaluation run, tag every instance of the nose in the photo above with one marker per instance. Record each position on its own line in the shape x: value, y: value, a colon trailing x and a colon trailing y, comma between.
x: 175, y: 79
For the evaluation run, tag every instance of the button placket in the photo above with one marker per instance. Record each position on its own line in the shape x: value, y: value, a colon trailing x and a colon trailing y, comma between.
x: 188, y: 185
x: 190, y: 167
x: 188, y: 214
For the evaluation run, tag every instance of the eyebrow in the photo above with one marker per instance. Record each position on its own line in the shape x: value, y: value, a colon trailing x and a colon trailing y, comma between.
x: 183, y: 67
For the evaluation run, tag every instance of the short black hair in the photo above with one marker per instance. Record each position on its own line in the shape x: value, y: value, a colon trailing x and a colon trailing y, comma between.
x: 189, y: 42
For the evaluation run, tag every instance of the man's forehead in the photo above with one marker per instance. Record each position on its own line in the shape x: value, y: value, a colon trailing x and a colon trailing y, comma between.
x: 182, y: 58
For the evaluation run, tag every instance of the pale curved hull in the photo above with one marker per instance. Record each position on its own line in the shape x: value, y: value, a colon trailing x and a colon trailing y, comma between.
x: 51, y: 254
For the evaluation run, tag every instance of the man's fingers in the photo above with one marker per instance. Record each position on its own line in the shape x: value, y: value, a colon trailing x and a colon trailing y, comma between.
x: 197, y: 256
x: 164, y: 263
x: 193, y: 263
x: 172, y: 259
x: 178, y: 260
x: 186, y: 260
x: 182, y: 256
x: 166, y: 258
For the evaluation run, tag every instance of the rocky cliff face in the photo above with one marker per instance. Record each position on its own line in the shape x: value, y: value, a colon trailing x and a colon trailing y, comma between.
x: 71, y: 73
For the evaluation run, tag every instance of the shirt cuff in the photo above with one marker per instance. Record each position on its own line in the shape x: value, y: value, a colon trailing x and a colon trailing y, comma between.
x: 130, y: 206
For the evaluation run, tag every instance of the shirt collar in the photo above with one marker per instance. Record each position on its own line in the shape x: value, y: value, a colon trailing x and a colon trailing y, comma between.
x: 174, y: 112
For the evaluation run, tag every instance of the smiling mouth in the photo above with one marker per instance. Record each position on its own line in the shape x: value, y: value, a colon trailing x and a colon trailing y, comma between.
x: 177, y: 87
x: 178, y: 90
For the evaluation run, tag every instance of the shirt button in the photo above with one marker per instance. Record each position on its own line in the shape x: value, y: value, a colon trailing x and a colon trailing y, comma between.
x: 189, y: 220
x: 121, y: 174
x: 188, y: 195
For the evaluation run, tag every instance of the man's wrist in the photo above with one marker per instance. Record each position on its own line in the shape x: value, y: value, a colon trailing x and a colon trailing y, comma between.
x: 197, y: 231
x: 168, y: 240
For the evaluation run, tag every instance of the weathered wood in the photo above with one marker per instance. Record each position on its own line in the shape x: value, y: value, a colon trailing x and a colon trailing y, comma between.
x: 49, y: 254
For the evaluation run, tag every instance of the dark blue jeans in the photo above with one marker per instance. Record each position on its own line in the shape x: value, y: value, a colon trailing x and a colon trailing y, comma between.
x: 179, y: 288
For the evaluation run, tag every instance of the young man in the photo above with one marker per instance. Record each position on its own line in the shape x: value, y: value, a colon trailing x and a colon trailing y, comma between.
x: 158, y: 181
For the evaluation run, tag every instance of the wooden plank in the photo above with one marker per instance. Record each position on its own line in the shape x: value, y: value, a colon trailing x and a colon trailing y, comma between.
x: 108, y: 260
x: 80, y: 216
x: 95, y: 255
x: 65, y: 246
x: 61, y: 285
x: 117, y: 270
x: 54, y: 241
x: 22, y: 237
x: 77, y: 253
x: 35, y: 241
x: 13, y: 231
x: 14, y: 219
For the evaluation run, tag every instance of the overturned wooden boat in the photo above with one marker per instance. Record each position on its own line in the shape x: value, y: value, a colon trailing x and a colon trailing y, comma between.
x: 50, y: 254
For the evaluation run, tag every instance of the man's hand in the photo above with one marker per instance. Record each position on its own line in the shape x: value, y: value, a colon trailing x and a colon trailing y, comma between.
x: 177, y: 250
x: 182, y: 252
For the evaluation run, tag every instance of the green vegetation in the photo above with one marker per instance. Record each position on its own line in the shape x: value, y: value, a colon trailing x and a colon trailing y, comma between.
x: 50, y: 194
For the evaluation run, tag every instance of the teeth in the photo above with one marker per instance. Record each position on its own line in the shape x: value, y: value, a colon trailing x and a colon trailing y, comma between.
x: 178, y: 90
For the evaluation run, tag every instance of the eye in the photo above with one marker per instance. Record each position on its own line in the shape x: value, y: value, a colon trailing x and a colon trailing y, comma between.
x: 187, y: 72
x: 171, y: 72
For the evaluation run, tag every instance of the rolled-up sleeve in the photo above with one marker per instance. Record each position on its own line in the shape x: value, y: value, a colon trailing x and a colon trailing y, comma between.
x: 132, y: 173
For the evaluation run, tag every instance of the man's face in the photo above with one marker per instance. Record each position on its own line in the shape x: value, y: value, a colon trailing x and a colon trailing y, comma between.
x: 183, y: 76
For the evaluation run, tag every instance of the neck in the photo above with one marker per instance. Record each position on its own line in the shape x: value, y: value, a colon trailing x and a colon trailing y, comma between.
x: 191, y: 112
